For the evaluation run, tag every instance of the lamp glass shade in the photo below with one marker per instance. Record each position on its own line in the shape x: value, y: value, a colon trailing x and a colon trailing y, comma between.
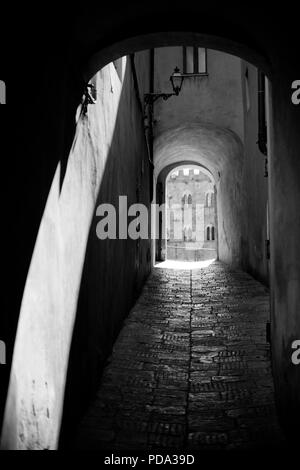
x: 176, y: 80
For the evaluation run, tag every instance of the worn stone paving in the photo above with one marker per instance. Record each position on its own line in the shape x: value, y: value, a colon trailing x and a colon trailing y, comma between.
x: 190, y: 368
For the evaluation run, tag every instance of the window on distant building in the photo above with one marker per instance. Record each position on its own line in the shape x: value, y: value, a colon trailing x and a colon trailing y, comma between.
x: 208, y: 233
x: 194, y: 60
x: 209, y: 199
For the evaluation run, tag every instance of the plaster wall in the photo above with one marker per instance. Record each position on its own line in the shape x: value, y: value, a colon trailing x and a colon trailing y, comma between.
x: 215, y: 98
x: 254, y: 184
x: 108, y: 158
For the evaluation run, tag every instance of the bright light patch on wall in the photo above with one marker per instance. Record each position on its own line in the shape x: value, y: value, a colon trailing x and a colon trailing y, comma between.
x: 120, y: 65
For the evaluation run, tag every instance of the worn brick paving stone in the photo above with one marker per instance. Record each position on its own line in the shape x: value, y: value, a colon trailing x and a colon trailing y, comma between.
x: 190, y: 368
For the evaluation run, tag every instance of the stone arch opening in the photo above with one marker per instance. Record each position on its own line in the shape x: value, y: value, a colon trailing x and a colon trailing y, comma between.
x: 173, y: 38
x: 220, y: 152
x: 180, y: 186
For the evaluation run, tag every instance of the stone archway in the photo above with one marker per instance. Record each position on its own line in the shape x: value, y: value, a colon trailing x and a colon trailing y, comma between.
x: 220, y: 151
x: 173, y: 38
x: 160, y: 198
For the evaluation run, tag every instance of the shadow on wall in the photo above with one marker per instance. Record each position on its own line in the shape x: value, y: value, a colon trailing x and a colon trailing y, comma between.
x: 79, y: 289
x: 114, y: 270
x: 37, y: 153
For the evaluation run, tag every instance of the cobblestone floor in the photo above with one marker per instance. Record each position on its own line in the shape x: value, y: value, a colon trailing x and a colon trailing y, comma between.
x: 190, y: 368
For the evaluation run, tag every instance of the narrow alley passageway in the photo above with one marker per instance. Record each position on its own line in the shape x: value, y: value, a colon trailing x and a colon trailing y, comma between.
x: 158, y: 133
x: 190, y: 368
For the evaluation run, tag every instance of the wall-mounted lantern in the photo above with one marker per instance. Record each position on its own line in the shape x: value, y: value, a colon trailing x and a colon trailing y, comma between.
x: 90, y: 97
x: 176, y: 79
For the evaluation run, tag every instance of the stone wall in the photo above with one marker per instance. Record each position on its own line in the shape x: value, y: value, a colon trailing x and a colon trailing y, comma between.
x: 215, y: 98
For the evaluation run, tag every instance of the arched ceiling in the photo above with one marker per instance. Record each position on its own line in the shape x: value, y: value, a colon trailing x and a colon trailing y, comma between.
x: 215, y: 148
x: 173, y: 38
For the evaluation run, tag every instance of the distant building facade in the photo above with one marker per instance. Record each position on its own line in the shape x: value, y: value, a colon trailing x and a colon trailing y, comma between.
x: 191, y: 215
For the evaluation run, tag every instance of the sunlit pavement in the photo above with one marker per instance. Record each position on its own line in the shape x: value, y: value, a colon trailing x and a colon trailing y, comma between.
x: 175, y: 264
x: 190, y: 368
